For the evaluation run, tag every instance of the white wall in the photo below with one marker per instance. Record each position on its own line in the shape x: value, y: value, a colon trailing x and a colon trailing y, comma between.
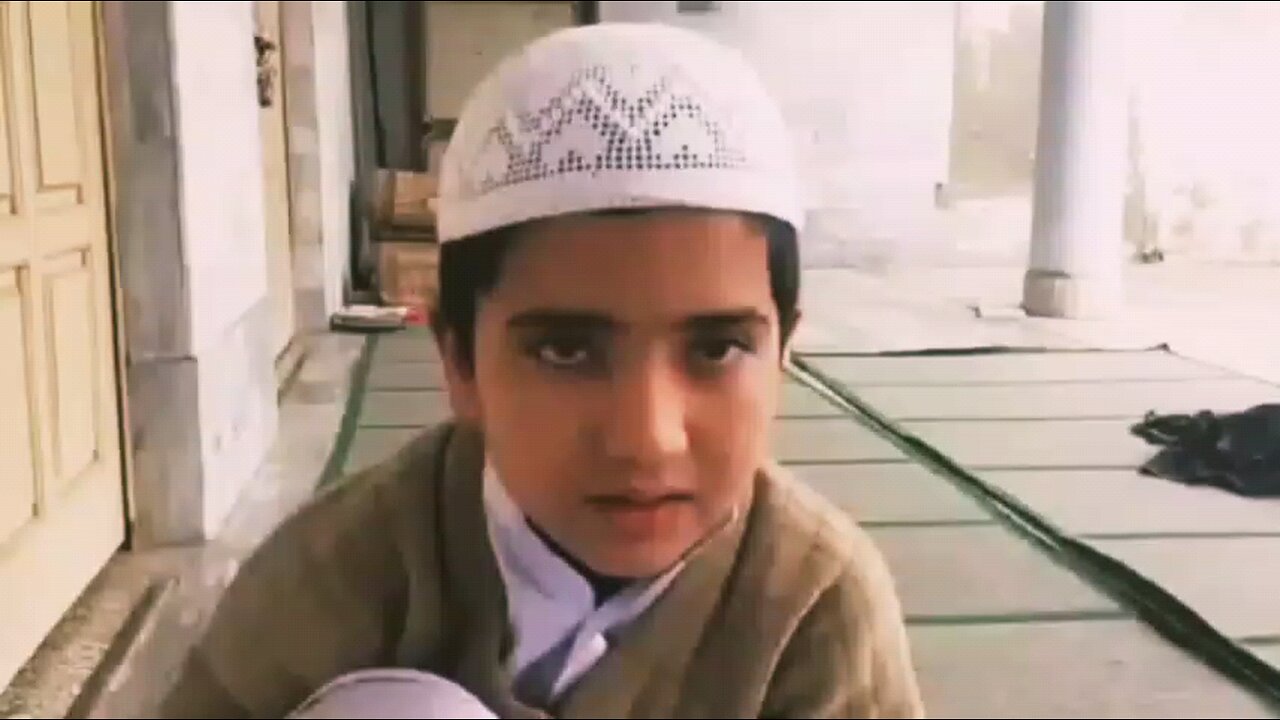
x: 866, y: 89
x: 336, y: 143
x: 221, y: 167
x: 222, y: 221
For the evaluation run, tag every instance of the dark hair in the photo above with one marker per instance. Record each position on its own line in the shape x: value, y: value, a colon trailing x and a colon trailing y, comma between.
x: 470, y: 268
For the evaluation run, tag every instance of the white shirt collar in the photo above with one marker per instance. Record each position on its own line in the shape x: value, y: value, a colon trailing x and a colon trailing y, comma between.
x: 548, y: 600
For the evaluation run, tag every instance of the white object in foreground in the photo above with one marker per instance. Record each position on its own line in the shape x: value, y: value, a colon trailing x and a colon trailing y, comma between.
x: 391, y: 693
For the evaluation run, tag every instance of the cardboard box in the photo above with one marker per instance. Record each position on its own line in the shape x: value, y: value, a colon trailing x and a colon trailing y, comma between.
x: 408, y: 274
x: 405, y: 199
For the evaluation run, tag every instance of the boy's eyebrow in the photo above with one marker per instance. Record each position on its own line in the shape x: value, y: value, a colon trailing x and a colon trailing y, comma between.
x: 593, y: 321
x: 725, y: 319
x: 576, y: 319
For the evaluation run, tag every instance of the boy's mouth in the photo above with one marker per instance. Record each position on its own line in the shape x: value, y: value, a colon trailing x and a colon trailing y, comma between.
x: 635, y: 501
x: 624, y: 501
x: 645, y: 515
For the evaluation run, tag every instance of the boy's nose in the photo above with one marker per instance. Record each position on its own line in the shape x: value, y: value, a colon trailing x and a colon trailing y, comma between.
x: 646, y: 420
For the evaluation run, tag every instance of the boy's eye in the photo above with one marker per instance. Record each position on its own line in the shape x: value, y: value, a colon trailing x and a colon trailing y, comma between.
x: 718, y: 351
x: 562, y: 352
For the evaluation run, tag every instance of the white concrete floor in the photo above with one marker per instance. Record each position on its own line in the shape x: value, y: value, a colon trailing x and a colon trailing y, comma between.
x: 1221, y: 313
x: 1052, y: 430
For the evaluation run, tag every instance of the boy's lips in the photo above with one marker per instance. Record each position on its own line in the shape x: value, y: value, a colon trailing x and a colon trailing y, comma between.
x: 627, y: 501
x: 641, y: 515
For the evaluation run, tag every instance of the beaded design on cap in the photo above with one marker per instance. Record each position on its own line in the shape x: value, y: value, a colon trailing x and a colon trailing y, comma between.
x: 630, y: 132
x: 615, y: 116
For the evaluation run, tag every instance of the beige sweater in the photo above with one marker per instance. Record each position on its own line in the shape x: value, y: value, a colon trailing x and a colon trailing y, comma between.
x: 790, y: 612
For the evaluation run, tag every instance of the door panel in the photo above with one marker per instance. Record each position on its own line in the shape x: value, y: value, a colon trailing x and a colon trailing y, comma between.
x: 72, y: 352
x: 17, y: 462
x: 61, y: 490
x: 57, y: 138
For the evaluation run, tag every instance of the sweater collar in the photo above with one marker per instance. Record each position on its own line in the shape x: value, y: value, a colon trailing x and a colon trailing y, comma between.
x: 548, y: 600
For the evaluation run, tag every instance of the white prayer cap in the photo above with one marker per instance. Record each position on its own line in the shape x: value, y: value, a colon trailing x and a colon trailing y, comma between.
x: 391, y: 693
x: 613, y: 116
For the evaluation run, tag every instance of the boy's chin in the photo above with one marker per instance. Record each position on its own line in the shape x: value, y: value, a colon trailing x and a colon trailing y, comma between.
x: 637, y: 563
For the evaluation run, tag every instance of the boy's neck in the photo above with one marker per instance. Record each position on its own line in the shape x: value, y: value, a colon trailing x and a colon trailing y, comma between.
x: 602, y: 586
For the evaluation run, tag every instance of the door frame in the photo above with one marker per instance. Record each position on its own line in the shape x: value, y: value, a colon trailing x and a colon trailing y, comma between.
x: 286, y: 357
x: 110, y: 163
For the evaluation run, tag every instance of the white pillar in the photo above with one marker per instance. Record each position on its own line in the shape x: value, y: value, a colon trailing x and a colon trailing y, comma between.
x: 1077, y: 244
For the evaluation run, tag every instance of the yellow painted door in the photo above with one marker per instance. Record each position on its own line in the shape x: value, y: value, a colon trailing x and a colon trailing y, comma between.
x: 275, y: 169
x: 61, y: 492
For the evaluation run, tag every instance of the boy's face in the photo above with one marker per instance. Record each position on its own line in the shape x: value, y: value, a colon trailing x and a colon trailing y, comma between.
x: 627, y: 370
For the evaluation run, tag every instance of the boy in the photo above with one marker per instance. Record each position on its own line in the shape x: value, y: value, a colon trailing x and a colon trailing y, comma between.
x: 600, y: 532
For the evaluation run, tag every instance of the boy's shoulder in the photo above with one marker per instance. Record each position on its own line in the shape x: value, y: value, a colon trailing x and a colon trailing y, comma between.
x: 803, y: 523
x: 825, y: 607
x: 361, y: 523
x: 406, y: 479
x: 310, y: 602
x: 807, y: 555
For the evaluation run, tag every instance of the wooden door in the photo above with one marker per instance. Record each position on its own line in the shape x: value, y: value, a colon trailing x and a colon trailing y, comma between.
x: 275, y: 168
x: 62, y: 510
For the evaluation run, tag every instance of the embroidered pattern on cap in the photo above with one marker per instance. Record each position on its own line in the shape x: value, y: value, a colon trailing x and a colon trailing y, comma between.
x: 594, y: 125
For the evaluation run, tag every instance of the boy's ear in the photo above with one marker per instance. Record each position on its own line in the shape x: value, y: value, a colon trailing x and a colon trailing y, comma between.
x: 460, y: 376
x: 439, y: 332
x: 788, y: 342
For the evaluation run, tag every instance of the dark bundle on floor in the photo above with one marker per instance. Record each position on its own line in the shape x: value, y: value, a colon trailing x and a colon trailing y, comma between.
x: 1238, y: 452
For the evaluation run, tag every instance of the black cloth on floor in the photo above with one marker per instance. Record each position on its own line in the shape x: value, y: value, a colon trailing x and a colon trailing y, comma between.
x: 1238, y: 452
